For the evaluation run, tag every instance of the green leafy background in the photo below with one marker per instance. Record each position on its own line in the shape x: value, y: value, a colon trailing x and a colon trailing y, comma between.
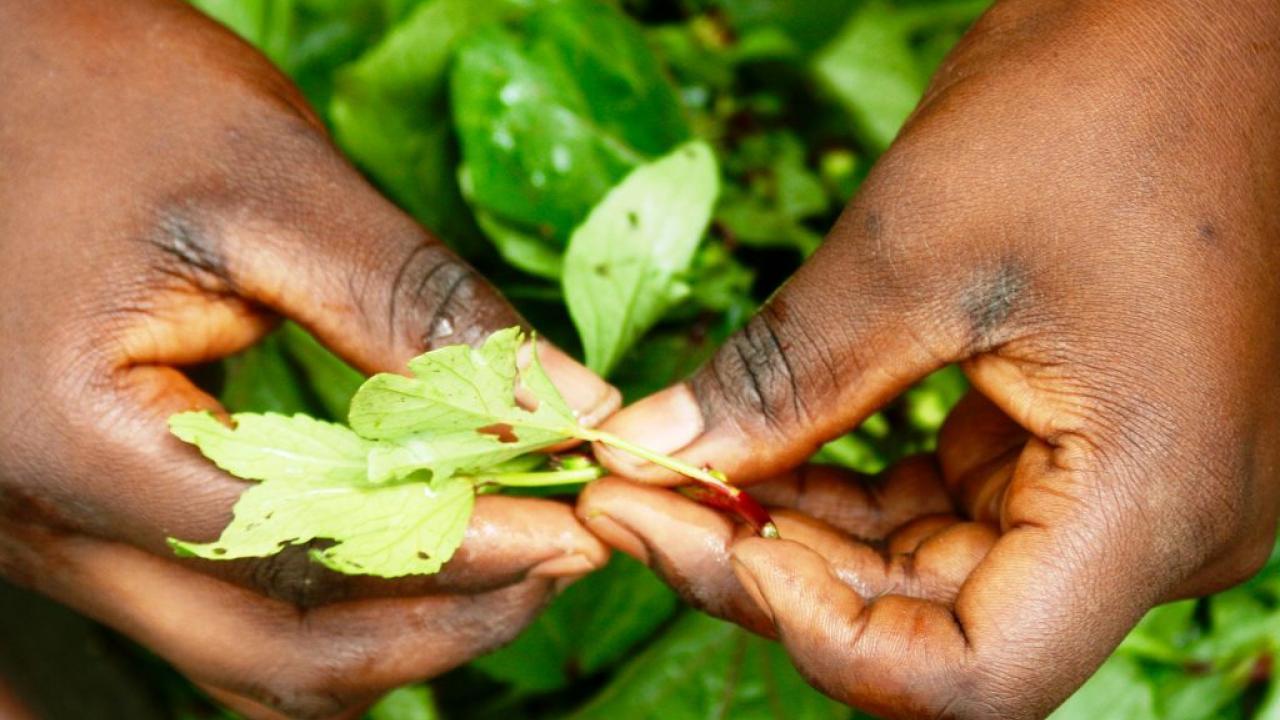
x: 501, y: 124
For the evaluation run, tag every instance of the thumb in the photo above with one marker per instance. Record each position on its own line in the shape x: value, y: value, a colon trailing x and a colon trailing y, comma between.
x: 863, y: 319
x: 331, y: 253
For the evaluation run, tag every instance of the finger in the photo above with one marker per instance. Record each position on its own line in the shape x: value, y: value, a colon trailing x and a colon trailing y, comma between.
x: 856, y: 325
x: 686, y: 544
x: 1057, y: 591
x: 869, y: 508
x: 689, y: 546
x: 322, y: 662
x: 325, y: 249
x: 978, y: 449
x: 159, y: 487
x: 508, y: 540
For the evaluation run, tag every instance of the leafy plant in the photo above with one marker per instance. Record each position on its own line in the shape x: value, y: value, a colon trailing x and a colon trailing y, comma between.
x: 393, y: 493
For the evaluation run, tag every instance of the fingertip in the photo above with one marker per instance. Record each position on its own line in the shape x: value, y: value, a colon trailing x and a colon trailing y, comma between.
x: 790, y: 582
x: 665, y: 422
x: 590, y: 396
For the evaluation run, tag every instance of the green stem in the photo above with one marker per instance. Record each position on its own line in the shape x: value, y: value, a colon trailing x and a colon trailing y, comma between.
x: 542, y: 479
x: 674, y: 465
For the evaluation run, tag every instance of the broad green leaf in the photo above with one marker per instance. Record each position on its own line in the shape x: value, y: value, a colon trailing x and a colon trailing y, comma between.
x: 332, y: 381
x: 705, y: 668
x: 870, y: 69
x: 851, y: 451
x: 260, y: 379
x: 454, y: 387
x: 390, y: 114
x: 1269, y: 707
x: 1118, y: 690
x: 551, y: 114
x: 265, y: 447
x: 389, y: 531
x: 521, y: 249
x: 447, y: 453
x: 929, y: 401
x: 586, y: 630
x: 625, y: 260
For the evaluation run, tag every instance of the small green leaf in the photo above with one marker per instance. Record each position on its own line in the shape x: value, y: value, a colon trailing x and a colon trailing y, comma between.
x: 458, y: 412
x: 624, y: 262
x: 389, y: 531
x: 277, y: 447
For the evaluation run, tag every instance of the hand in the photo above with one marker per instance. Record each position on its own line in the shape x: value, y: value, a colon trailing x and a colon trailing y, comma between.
x: 166, y: 195
x: 1082, y: 213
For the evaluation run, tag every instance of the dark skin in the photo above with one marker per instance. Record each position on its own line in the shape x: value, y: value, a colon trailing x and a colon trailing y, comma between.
x: 167, y: 197
x: 1082, y: 213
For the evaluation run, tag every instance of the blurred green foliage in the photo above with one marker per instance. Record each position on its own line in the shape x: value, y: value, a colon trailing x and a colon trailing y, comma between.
x: 499, y: 124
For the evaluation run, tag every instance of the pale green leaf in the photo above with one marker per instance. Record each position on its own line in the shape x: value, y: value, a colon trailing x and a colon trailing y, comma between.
x: 447, y: 453
x: 624, y: 262
x: 870, y: 69
x: 455, y: 387
x: 294, y: 448
x: 411, y: 702
x: 1118, y: 690
x: 389, y: 531
x: 458, y: 413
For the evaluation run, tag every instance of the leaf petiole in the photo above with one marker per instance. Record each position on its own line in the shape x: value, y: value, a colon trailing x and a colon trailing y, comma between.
x: 713, y: 488
x: 541, y: 479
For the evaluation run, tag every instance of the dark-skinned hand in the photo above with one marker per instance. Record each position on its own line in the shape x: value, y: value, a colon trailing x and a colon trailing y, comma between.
x: 1082, y: 213
x: 166, y: 196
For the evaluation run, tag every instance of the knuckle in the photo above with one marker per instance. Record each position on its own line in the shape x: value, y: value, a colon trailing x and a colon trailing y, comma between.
x: 435, y: 298
x: 754, y: 376
x: 291, y: 576
x: 305, y: 692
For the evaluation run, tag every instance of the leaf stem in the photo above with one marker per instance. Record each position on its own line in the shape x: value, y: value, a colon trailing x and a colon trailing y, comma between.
x: 716, y: 489
x: 542, y: 479
x: 673, y: 464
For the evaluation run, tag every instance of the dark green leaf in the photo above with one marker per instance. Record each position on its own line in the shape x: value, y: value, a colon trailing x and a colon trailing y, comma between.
x: 705, y: 668
x: 586, y: 630
x: 331, y: 380
x: 551, y: 115
x: 624, y: 261
x: 389, y: 110
x: 261, y: 379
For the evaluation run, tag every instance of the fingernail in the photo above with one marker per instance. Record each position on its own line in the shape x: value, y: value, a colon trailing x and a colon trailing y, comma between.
x: 617, y: 535
x: 665, y: 422
x: 562, y: 566
x: 752, y: 586
x: 591, y: 397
